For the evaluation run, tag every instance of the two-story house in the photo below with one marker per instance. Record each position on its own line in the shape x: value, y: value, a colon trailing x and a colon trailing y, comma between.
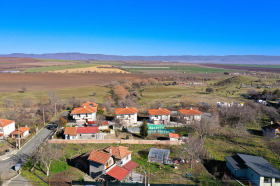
x: 114, y: 163
x: 159, y: 116
x: 127, y: 115
x: 188, y: 116
x: 6, y: 127
x: 255, y: 169
x: 84, y: 114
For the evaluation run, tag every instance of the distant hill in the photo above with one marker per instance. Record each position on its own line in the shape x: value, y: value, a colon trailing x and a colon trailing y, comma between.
x: 230, y: 59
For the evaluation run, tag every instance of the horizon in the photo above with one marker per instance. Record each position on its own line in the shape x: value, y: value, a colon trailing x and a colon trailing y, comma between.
x: 140, y: 28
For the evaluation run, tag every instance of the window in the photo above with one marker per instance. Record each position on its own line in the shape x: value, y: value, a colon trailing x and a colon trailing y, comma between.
x: 79, y: 115
x: 267, y: 180
x: 86, y: 115
x: 126, y: 158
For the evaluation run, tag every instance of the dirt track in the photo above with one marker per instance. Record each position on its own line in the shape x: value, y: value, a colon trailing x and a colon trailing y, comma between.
x: 46, y: 81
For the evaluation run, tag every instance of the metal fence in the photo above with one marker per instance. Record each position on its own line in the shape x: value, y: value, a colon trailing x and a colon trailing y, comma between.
x: 160, y: 131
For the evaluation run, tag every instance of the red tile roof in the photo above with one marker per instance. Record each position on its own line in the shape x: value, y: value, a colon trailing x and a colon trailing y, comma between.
x: 190, y: 112
x: 84, y: 110
x: 4, y: 122
x: 130, y: 165
x: 127, y: 110
x: 71, y: 131
x: 172, y: 135
x: 96, y: 122
x: 99, y: 156
x: 118, y: 152
x: 90, y: 104
x: 118, y: 173
x: 87, y: 130
x: 160, y: 111
x: 21, y: 130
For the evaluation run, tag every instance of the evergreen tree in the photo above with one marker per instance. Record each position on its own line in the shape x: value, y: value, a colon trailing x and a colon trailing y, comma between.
x: 144, y: 129
x: 265, y: 92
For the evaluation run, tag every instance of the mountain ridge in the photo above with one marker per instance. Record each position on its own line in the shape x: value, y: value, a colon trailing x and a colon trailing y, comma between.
x: 227, y: 59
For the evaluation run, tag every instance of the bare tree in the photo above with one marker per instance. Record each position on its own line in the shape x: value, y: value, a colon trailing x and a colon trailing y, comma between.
x: 194, y: 147
x: 206, y: 126
x: 47, y: 154
x: 8, y: 103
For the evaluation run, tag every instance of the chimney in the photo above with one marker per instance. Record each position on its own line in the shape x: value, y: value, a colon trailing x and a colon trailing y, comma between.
x: 191, y: 108
x: 110, y: 150
x: 159, y: 108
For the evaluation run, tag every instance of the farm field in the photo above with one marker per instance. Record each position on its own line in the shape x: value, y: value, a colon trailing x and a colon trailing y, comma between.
x: 259, y: 68
x: 179, y: 68
x: 48, y: 81
x: 96, y: 69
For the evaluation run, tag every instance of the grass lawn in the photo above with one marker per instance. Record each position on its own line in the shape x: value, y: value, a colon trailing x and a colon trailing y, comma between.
x: 155, y: 172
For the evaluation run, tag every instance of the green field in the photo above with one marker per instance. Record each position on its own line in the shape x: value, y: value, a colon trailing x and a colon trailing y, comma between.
x: 261, y: 66
x: 179, y: 68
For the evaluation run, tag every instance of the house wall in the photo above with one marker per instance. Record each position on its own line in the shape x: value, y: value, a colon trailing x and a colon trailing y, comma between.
x: 83, y: 117
x: 160, y: 118
x: 67, y: 137
x: 26, y: 133
x: 123, y: 161
x: 128, y: 117
x: 87, y: 136
x: 254, y: 177
x: 103, y: 127
x: 9, y: 129
x: 95, y: 169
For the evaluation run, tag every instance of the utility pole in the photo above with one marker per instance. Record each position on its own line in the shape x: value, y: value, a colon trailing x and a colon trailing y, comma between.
x: 44, y: 116
x: 145, y: 177
x: 55, y: 108
x: 18, y: 138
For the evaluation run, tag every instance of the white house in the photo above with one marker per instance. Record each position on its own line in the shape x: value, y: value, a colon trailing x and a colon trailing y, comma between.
x: 128, y: 115
x: 190, y: 115
x: 84, y: 114
x: 256, y: 169
x: 173, y: 137
x: 159, y: 116
x: 6, y: 127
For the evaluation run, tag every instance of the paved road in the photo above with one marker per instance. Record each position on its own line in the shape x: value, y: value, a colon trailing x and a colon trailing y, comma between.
x: 7, y: 166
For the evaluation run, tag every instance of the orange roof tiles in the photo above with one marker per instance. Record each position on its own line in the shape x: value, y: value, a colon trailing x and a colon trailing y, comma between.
x: 71, y: 131
x: 127, y: 110
x: 99, y: 156
x: 89, y: 104
x: 21, y: 130
x: 160, y: 111
x: 5, y: 122
x: 130, y: 165
x: 118, y: 152
x: 190, y: 112
x: 84, y: 110
x: 118, y: 173
x: 172, y: 135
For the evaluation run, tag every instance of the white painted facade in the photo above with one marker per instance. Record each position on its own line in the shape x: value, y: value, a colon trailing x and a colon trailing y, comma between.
x: 123, y: 161
x: 8, y: 129
x: 127, y: 119
x: 159, y: 119
x: 84, y: 117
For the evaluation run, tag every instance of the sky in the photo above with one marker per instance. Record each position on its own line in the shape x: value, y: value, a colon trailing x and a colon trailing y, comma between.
x: 141, y: 27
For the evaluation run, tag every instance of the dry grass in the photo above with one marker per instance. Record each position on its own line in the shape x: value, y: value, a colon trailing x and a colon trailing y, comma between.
x: 97, y: 69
